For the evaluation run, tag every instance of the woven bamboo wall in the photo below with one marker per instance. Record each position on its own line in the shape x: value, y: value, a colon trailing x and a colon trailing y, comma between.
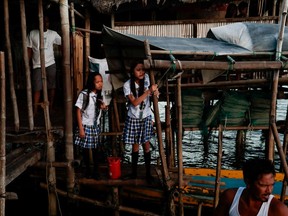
x: 182, y: 30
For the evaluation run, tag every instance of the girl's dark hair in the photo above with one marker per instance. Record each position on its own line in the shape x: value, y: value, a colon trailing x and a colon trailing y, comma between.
x: 253, y: 169
x: 132, y: 80
x: 89, y: 87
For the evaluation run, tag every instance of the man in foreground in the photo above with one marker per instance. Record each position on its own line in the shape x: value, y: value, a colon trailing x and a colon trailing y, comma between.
x: 255, y: 199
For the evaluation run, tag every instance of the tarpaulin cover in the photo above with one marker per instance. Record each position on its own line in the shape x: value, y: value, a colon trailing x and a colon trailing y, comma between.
x: 238, y: 38
x: 256, y: 37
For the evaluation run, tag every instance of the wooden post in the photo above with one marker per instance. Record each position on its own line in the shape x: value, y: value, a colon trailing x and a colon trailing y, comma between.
x: 280, y: 150
x: 2, y: 135
x: 51, y: 177
x: 115, y: 195
x: 87, y: 43
x: 285, y: 143
x: 274, y: 7
x: 68, y: 98
x: 179, y: 146
x: 218, y: 169
x: 116, y: 124
x: 166, y: 178
x: 169, y: 144
x: 73, y: 57
x: 273, y: 128
x: 27, y: 67
x: 10, y: 66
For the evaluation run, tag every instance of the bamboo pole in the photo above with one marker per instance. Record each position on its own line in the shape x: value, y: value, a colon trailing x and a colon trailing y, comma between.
x: 68, y: 98
x: 169, y: 144
x: 88, y: 30
x: 116, y: 123
x: 274, y: 7
x: 234, y: 83
x: 285, y: 143
x: 27, y: 68
x: 280, y: 149
x: 275, y: 82
x: 75, y: 11
x: 73, y: 53
x: 220, y: 65
x: 87, y: 43
x: 213, y: 54
x: 115, y: 199
x: 218, y: 169
x: 2, y: 136
x: 10, y: 66
x: 179, y: 146
x: 51, y: 175
x: 43, y: 164
x: 167, y: 180
x: 273, y: 127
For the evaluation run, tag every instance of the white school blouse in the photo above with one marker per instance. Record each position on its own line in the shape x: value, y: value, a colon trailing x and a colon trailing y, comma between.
x: 134, y: 111
x: 88, y: 115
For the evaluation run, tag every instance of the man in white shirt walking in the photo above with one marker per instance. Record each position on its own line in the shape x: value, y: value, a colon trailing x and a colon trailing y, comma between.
x: 33, y: 44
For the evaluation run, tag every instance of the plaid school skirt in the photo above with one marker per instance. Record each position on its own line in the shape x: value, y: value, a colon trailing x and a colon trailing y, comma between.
x: 91, y: 139
x: 137, y: 131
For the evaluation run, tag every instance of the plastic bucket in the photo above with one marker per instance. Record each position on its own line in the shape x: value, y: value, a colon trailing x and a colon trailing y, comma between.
x: 114, y: 167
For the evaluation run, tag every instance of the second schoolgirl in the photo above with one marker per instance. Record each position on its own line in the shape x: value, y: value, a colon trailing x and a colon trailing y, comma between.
x: 88, y: 111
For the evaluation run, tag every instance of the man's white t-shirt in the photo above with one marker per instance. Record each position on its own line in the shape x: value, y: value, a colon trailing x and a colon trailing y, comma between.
x: 50, y: 38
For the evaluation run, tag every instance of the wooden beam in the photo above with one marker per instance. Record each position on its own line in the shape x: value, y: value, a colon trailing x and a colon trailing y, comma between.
x: 216, y: 65
x: 19, y: 165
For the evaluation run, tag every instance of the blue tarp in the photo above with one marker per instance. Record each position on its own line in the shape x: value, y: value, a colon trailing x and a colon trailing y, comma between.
x: 233, y: 39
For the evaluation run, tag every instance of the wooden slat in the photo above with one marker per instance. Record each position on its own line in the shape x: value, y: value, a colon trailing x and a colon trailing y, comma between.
x: 19, y: 165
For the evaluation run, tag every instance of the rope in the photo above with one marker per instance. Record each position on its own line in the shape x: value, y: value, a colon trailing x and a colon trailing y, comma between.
x: 213, y: 57
x: 73, y: 29
x: 173, y: 67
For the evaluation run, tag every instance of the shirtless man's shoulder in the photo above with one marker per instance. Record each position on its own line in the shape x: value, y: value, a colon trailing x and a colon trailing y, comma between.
x: 277, y: 208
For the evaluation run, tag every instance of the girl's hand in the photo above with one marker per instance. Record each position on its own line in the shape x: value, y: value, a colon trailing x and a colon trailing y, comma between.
x: 103, y: 106
x: 156, y: 93
x: 81, y: 133
x: 153, y: 89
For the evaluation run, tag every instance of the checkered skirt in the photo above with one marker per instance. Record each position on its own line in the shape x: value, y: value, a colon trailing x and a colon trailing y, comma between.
x: 91, y: 139
x: 137, y: 131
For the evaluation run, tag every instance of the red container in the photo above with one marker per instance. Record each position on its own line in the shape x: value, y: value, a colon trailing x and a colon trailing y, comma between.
x: 114, y: 167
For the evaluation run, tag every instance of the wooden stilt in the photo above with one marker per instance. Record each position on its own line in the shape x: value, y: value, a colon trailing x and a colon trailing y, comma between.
x: 27, y: 67
x: 116, y: 200
x: 179, y: 146
x: 219, y: 168
x: 87, y: 42
x: 2, y: 135
x: 285, y: 145
x: 240, y: 145
x: 10, y: 66
x: 51, y: 174
x: 165, y: 174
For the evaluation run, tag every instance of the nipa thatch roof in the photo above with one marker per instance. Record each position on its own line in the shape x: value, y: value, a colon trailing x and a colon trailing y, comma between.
x: 106, y: 6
